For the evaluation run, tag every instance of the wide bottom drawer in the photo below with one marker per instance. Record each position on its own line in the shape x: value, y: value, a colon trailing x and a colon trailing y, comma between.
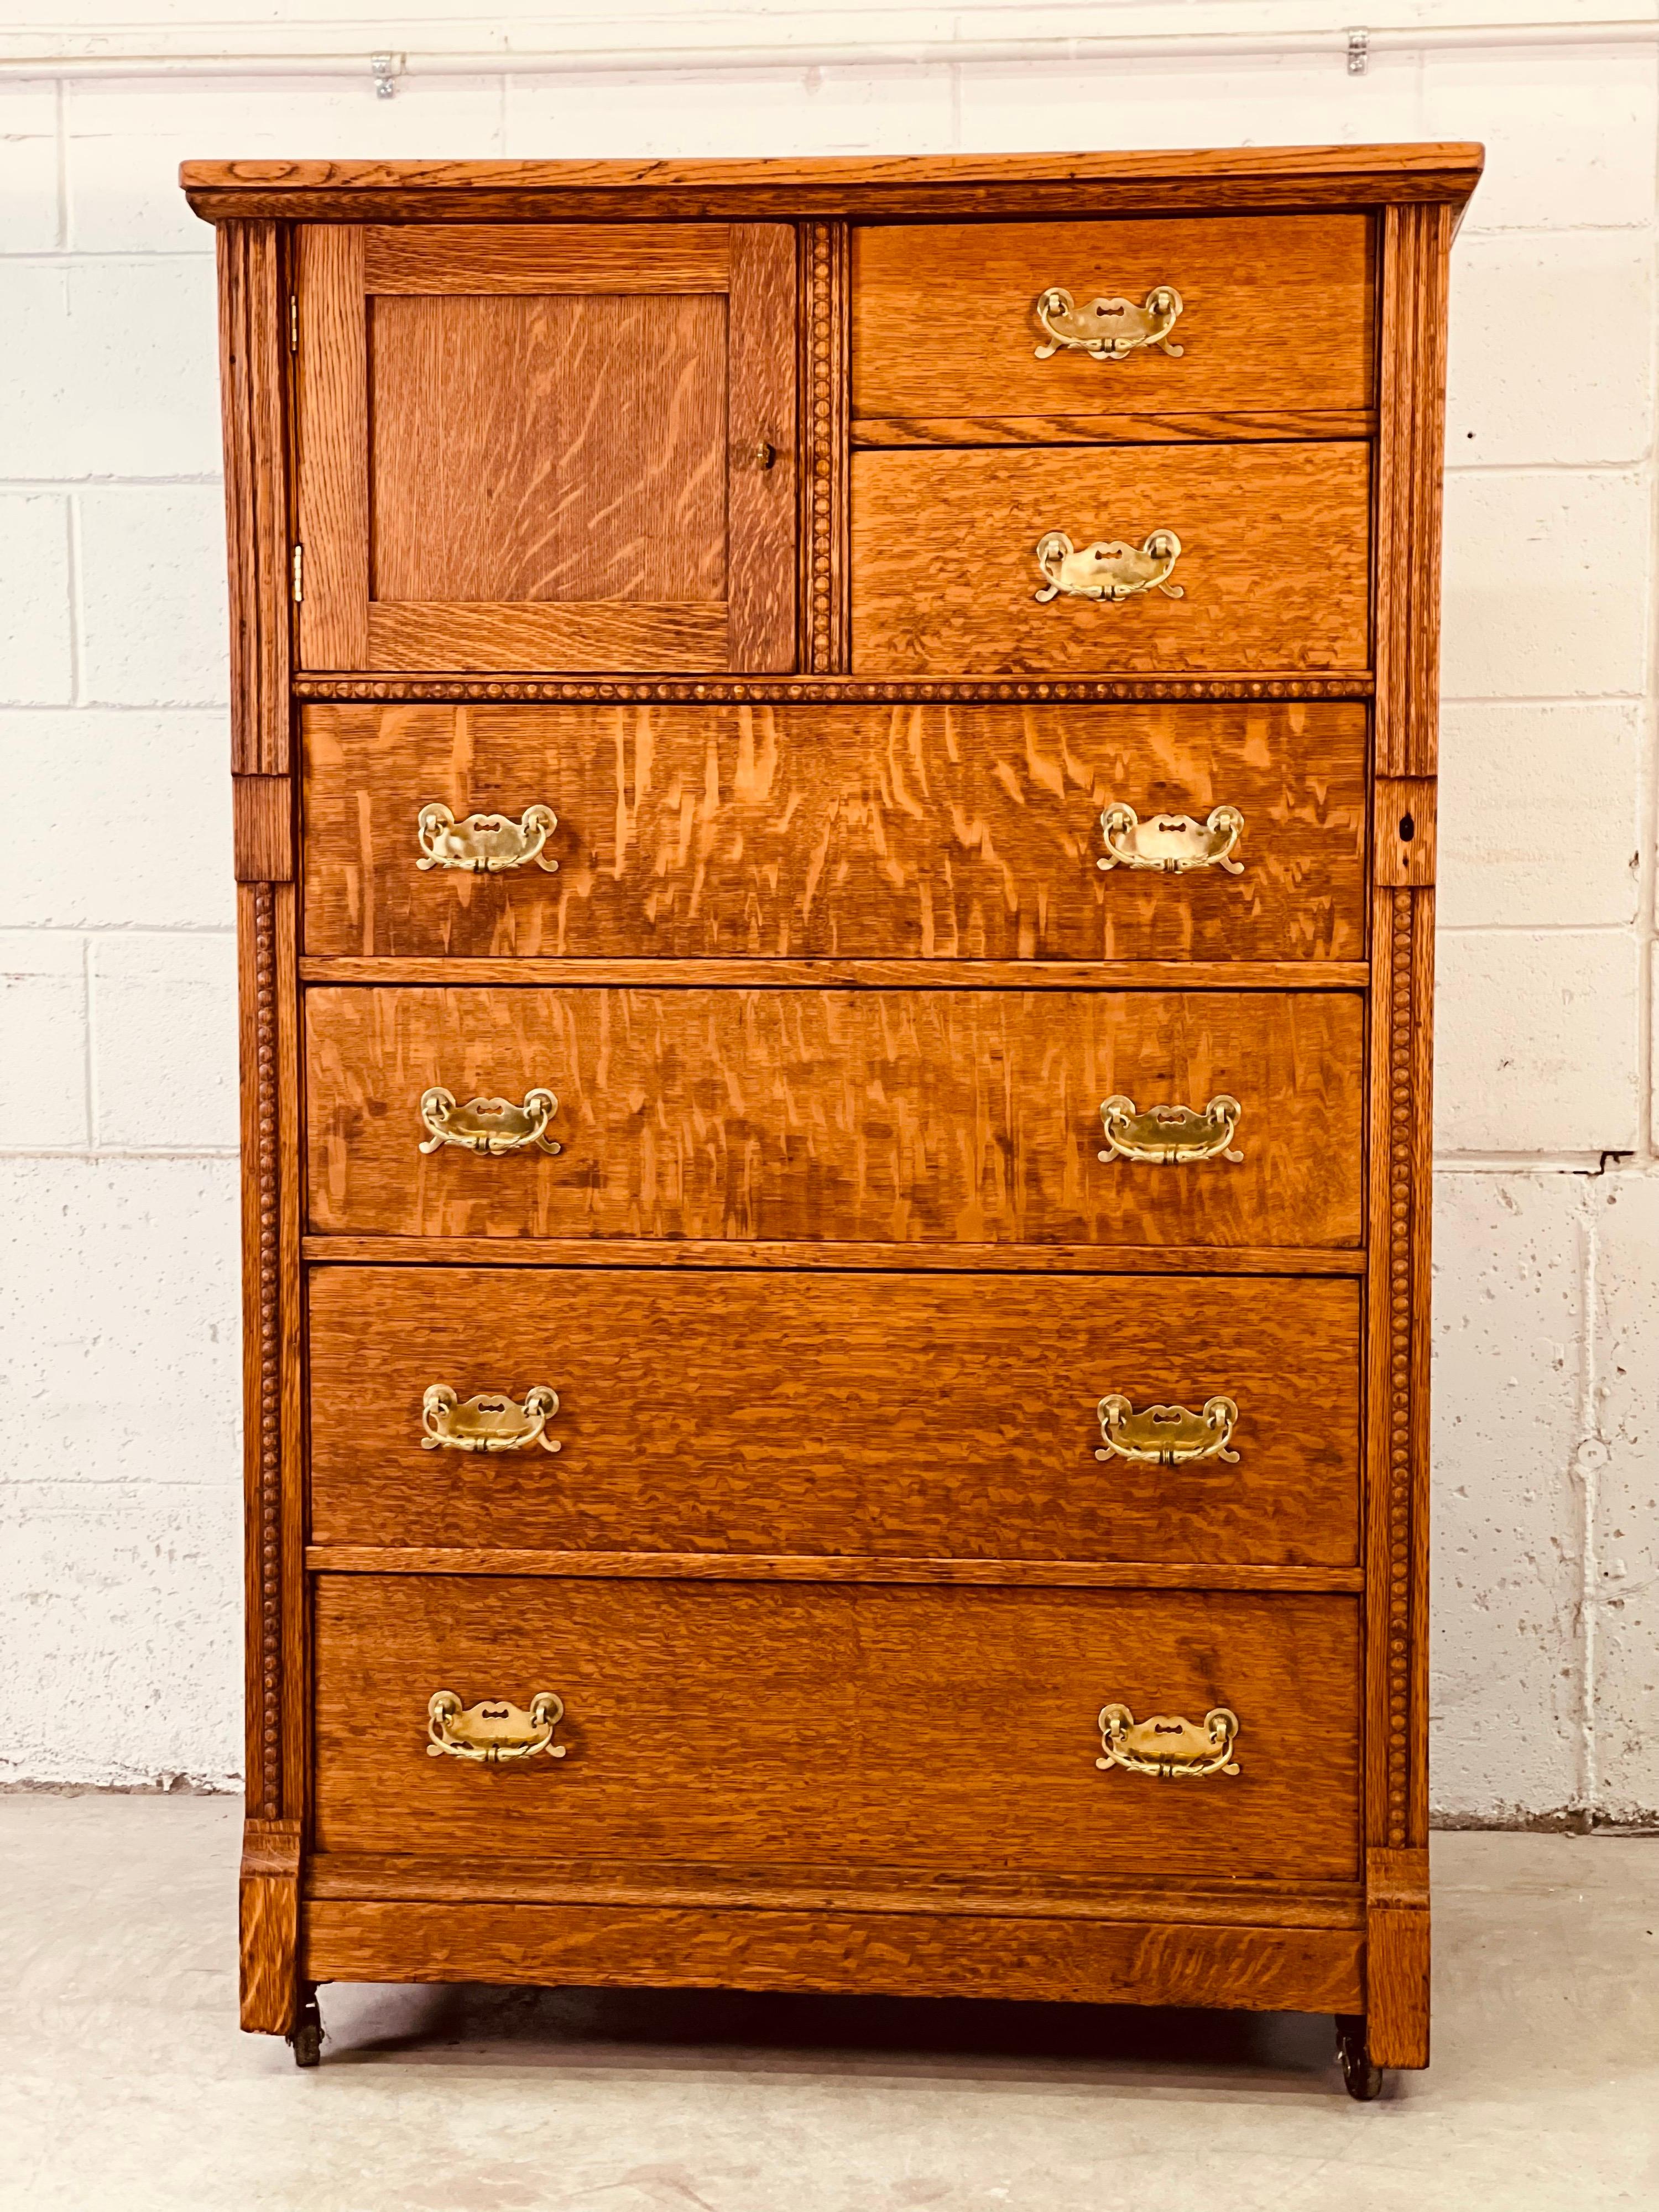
x: 895, y: 1727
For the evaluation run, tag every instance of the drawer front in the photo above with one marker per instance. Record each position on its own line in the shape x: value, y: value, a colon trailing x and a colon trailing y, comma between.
x: 865, y: 832
x: 901, y: 1117
x: 1275, y: 316
x: 818, y: 1725
x: 1272, y: 565
x: 944, y: 1416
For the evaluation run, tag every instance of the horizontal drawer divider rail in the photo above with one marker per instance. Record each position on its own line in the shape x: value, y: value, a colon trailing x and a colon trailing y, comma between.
x: 865, y: 1889
x: 833, y: 1567
x: 1221, y: 426
x: 831, y: 974
x: 883, y: 1258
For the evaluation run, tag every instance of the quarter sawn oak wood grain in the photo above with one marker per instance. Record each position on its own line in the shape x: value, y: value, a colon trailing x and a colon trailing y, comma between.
x: 898, y: 1727
x: 589, y: 495
x: 928, y: 1953
x: 907, y: 187
x: 934, y: 833
x: 1276, y: 316
x: 1274, y: 567
x: 901, y: 1116
x: 950, y: 1415
x: 495, y: 476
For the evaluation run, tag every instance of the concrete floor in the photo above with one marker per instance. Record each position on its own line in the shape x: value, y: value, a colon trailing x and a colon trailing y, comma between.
x: 125, y: 2083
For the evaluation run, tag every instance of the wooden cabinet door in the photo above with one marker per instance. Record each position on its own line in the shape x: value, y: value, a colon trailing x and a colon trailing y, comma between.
x: 544, y: 447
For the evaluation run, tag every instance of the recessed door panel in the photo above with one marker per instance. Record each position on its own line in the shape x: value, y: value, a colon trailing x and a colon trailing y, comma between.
x: 527, y: 448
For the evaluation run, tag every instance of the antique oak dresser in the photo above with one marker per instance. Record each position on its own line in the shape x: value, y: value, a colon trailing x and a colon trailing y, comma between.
x: 835, y: 817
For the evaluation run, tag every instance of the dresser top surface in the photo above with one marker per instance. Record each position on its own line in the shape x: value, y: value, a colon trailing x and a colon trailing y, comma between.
x: 1221, y: 180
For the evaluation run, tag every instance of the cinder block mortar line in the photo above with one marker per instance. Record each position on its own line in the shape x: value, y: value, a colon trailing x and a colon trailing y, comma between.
x: 1537, y: 928
x: 124, y: 929
x: 1586, y: 1469
x: 1647, y: 772
x: 72, y: 526
x: 88, y: 1106
x: 1605, y: 1161
x: 92, y: 1103
x: 95, y: 1153
x: 87, y: 258
x: 1540, y: 698
x: 60, y: 106
x: 68, y: 485
x: 1631, y: 467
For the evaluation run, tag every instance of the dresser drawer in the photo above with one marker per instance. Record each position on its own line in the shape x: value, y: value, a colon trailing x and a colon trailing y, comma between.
x: 863, y: 832
x: 901, y: 1117
x: 828, y: 1724
x: 1271, y: 559
x: 1272, y: 317
x: 861, y: 1415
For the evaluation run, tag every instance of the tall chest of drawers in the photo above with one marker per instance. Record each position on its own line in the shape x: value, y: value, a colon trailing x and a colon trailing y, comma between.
x: 834, y: 808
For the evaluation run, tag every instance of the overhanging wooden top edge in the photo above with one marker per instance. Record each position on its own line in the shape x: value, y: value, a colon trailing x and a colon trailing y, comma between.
x: 1239, y: 179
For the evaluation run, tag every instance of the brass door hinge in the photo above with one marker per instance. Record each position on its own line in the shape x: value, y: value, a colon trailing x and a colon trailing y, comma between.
x: 299, y: 568
x: 294, y: 322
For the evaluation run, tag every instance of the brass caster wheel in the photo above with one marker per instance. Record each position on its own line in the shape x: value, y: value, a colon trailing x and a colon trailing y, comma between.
x: 307, y: 2040
x: 1361, y: 2076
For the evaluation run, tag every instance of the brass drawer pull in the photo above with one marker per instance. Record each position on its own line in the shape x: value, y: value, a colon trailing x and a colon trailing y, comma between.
x: 1109, y: 329
x: 1170, y: 1136
x: 493, y: 1731
x: 492, y: 1423
x: 1166, y: 1745
x: 485, y: 844
x: 1111, y: 568
x: 1172, y: 844
x: 490, y: 1126
x: 1165, y: 1436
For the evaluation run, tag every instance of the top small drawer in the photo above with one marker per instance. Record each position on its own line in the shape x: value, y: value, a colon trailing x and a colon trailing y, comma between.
x: 949, y: 345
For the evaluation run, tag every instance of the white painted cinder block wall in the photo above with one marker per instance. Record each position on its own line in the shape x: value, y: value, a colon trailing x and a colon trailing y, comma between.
x: 119, y: 1467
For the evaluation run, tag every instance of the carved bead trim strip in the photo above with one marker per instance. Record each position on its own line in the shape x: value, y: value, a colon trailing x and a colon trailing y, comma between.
x: 268, y: 1501
x: 1400, y: 1322
x: 826, y: 434
x: 759, y: 690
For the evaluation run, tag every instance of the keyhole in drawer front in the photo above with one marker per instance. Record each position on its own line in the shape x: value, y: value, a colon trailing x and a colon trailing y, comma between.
x: 1408, y: 829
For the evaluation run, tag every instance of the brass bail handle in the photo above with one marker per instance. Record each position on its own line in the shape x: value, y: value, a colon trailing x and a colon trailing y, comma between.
x: 489, y: 1126
x: 484, y: 844
x: 1108, y: 327
x: 1166, y: 1745
x: 1171, y: 844
x: 1110, y: 570
x: 1170, y: 1136
x: 1165, y: 1436
x: 491, y: 1422
x: 495, y: 1732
